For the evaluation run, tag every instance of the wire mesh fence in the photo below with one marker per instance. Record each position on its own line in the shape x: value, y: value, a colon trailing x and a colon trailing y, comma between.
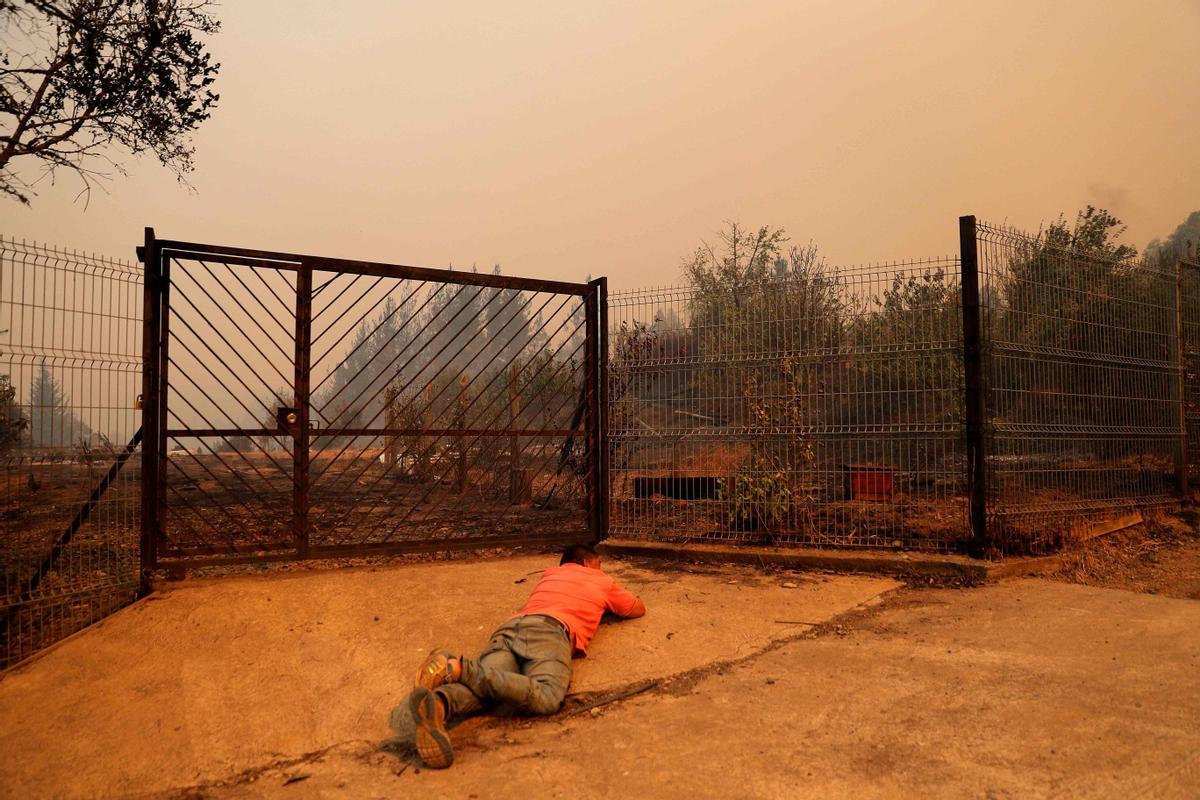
x: 822, y: 405
x: 70, y: 349
x: 1189, y: 332
x: 1082, y: 380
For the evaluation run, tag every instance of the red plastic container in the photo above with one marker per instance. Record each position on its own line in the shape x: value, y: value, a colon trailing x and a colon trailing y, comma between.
x: 869, y: 482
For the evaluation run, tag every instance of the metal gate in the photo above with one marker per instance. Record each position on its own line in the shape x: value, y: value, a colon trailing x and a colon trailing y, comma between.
x: 298, y: 406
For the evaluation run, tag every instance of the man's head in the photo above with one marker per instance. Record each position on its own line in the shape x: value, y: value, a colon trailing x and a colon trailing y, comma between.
x: 582, y: 555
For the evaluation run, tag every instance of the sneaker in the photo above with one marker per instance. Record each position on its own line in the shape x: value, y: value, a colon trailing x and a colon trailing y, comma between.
x: 433, y: 743
x: 438, y: 668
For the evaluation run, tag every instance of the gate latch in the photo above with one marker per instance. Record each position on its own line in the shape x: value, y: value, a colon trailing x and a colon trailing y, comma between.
x: 287, y: 419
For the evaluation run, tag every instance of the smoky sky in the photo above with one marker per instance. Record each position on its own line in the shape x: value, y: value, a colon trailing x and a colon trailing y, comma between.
x: 610, y: 139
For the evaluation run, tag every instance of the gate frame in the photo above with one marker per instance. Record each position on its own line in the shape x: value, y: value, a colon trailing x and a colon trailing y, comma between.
x: 156, y: 255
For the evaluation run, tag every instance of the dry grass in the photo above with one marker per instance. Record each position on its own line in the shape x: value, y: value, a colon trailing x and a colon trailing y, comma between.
x: 1160, y: 556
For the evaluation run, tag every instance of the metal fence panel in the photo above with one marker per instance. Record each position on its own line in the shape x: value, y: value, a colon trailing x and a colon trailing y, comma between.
x: 69, y: 345
x: 1189, y: 313
x: 823, y: 407
x: 1082, y: 384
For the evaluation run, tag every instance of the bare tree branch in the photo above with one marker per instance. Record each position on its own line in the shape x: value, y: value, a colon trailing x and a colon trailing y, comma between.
x: 80, y: 76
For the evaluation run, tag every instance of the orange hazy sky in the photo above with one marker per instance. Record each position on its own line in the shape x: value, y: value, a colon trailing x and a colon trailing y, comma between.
x: 561, y: 140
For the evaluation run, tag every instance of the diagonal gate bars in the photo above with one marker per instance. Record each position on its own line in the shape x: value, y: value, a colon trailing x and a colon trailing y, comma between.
x: 297, y: 406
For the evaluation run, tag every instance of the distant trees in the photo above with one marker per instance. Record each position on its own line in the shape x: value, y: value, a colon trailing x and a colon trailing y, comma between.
x: 752, y: 298
x: 1051, y: 280
x: 1076, y: 291
x: 52, y: 422
x: 406, y: 363
x: 455, y: 324
x: 381, y: 347
x: 731, y: 281
x: 78, y: 76
x: 1183, y: 242
x: 912, y: 364
x: 506, y: 322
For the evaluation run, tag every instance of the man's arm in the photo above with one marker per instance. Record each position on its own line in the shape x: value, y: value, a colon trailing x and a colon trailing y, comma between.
x: 638, y: 610
x: 624, y: 603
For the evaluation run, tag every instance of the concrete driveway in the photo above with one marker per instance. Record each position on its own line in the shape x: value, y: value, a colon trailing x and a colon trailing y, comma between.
x: 213, y: 681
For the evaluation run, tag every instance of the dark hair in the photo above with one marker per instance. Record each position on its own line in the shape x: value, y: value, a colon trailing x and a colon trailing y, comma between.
x: 578, y: 554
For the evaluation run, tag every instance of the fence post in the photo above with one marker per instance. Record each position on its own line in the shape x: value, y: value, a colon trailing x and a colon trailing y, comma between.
x: 1181, y: 450
x: 300, y: 437
x: 974, y: 398
x: 595, y: 364
x: 602, y: 444
x: 150, y: 354
x: 590, y: 377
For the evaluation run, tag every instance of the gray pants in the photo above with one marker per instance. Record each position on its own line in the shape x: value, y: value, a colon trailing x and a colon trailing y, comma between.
x: 527, y: 664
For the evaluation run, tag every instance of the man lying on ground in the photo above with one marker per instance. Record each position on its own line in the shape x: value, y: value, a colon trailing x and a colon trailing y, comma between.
x: 527, y: 663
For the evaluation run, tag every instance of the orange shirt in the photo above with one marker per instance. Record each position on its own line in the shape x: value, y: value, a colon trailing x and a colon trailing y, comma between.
x: 577, y: 596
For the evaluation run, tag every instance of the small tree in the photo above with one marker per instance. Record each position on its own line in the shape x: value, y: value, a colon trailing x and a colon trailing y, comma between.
x: 13, y: 422
x: 77, y: 76
x: 730, y: 280
x: 767, y: 326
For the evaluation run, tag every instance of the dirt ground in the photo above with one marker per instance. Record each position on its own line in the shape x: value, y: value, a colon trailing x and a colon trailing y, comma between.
x: 768, y: 685
x: 1161, y: 556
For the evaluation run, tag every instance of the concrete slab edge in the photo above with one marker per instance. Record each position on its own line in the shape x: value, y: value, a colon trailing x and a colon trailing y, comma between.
x: 875, y: 562
x: 903, y: 564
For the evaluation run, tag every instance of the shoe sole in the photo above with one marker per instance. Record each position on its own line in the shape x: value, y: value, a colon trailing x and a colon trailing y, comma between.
x: 433, y: 744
